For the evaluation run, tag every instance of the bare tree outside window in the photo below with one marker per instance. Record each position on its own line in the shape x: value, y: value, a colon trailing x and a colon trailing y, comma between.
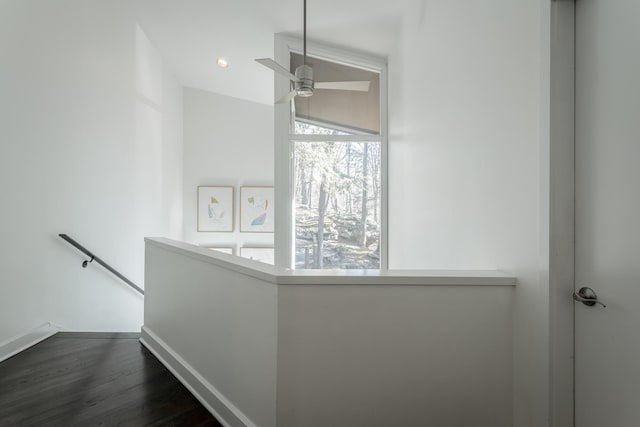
x: 337, y: 201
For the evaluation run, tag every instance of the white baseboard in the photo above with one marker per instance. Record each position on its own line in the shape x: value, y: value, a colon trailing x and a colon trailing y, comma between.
x: 204, y: 391
x: 21, y: 342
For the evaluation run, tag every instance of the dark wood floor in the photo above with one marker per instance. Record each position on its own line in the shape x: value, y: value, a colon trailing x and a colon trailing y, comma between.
x: 89, y: 379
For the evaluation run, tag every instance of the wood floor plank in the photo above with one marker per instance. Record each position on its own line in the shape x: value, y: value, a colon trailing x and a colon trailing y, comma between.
x: 94, y: 379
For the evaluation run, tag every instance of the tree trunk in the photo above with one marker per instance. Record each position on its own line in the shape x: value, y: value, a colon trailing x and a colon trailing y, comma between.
x: 375, y: 180
x: 322, y: 208
x: 365, y: 176
x: 304, y: 195
x: 376, y: 192
x: 310, y: 190
x: 349, y: 207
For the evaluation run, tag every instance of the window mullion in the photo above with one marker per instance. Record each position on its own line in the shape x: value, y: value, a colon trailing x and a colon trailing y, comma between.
x: 336, y: 138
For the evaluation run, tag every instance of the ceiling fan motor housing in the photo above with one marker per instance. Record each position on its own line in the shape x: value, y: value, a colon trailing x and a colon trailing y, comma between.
x: 304, y: 87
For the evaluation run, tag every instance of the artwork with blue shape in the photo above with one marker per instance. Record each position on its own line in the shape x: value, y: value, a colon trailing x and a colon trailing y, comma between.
x: 215, y: 208
x: 256, y: 209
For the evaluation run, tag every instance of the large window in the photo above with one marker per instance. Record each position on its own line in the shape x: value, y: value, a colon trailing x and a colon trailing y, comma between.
x: 335, y: 158
x: 337, y: 196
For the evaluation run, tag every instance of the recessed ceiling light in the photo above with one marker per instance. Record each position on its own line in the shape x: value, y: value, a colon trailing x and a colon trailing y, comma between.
x: 222, y: 63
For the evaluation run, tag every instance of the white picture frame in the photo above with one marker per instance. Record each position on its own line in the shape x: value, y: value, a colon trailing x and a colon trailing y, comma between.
x: 256, y: 210
x: 262, y: 254
x: 215, y: 209
x: 223, y: 249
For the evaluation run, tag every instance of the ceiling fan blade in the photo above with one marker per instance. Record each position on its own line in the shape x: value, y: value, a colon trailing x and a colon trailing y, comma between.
x: 288, y: 97
x: 361, y: 86
x: 270, y: 63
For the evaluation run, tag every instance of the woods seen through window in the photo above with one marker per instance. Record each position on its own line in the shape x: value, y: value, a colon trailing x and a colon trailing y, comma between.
x: 337, y: 202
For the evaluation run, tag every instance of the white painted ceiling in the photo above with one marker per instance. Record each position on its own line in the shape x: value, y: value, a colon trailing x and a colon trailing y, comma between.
x: 192, y: 34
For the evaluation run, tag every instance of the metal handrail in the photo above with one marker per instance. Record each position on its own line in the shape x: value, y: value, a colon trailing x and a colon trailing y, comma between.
x: 92, y: 258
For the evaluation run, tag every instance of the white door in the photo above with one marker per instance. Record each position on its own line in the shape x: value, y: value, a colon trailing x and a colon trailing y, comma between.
x: 607, y: 340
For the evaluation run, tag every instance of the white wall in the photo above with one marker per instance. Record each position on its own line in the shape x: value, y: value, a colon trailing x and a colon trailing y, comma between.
x: 394, y: 356
x: 221, y: 324
x: 82, y: 153
x: 227, y: 142
x: 392, y: 350
x: 466, y: 179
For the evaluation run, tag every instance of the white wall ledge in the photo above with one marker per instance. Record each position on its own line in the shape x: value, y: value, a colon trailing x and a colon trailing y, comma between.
x: 281, y: 276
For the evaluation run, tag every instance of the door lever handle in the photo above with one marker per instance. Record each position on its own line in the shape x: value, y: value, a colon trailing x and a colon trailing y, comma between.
x: 587, y: 296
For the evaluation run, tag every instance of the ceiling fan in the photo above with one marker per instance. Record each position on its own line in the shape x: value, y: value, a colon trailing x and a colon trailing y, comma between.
x: 303, y: 78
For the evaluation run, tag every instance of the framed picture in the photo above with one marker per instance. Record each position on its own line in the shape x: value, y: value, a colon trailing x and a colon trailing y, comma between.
x: 215, y: 209
x: 256, y: 209
x: 224, y: 250
x: 265, y: 254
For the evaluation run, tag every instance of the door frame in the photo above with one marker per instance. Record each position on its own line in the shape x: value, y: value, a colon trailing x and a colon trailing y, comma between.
x: 560, y: 153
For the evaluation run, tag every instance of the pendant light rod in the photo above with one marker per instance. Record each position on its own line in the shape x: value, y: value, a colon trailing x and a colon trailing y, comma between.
x: 304, y: 35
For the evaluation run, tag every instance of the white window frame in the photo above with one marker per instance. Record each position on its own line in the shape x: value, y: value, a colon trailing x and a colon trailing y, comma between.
x: 285, y: 137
